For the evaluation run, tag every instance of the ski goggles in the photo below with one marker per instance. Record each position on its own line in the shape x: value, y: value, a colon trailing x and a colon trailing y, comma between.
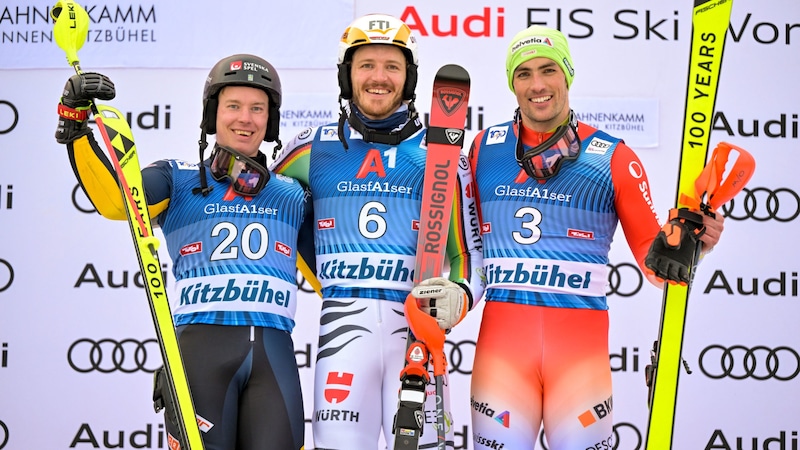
x: 545, y: 160
x: 247, y: 176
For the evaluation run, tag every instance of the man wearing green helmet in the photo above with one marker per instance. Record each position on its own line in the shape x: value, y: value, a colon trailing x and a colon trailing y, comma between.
x: 552, y: 191
x: 365, y: 174
x: 221, y: 218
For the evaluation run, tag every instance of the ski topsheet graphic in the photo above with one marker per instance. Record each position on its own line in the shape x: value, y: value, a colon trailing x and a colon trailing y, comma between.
x: 445, y: 138
x: 71, y: 23
x: 700, y: 186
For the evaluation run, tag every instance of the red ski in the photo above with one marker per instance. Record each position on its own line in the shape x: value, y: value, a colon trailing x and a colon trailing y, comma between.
x: 445, y: 138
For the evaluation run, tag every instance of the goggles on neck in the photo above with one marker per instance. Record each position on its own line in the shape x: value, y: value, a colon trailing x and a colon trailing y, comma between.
x: 247, y: 176
x: 545, y: 160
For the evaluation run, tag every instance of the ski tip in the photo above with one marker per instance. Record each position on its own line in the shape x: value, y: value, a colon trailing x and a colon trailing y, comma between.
x: 453, y: 72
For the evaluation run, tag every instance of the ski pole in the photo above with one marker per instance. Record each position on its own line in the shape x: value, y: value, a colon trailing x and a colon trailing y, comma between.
x: 70, y: 34
x: 70, y: 28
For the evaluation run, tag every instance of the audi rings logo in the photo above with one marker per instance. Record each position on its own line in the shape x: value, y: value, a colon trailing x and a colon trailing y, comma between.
x: 78, y: 198
x: 460, y: 356
x: 302, y: 284
x: 3, y: 435
x: 762, y: 204
x: 107, y: 355
x: 626, y: 437
x: 740, y: 362
x: 9, y: 117
x: 6, y: 274
x: 624, y: 279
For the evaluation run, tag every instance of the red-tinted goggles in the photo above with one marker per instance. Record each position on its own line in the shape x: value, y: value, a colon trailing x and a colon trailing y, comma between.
x: 545, y: 160
x: 247, y: 176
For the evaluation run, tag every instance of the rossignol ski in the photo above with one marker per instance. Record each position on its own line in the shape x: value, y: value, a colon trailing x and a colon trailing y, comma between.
x: 71, y: 24
x: 445, y: 138
x: 700, y: 186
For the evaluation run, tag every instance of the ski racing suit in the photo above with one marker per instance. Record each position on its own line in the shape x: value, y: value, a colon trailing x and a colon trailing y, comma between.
x: 234, y: 261
x: 366, y: 203
x: 542, y: 351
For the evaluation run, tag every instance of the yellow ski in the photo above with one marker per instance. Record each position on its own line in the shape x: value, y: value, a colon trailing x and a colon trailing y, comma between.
x: 710, y: 21
x: 71, y: 24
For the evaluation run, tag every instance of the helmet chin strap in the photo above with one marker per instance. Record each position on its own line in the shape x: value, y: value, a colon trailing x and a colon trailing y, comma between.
x: 204, y: 188
x: 277, y: 148
x: 394, y: 137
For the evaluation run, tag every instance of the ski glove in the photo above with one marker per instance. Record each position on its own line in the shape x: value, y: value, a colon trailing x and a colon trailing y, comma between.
x: 74, y: 107
x: 671, y: 256
x: 444, y: 300
x: 162, y: 397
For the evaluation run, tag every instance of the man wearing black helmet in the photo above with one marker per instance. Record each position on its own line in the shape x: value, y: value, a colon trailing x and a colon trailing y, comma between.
x: 365, y: 174
x: 223, y: 218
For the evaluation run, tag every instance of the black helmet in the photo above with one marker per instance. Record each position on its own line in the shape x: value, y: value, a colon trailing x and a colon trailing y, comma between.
x: 242, y: 70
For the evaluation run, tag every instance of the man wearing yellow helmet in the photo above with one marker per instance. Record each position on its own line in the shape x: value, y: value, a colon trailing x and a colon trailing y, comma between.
x: 552, y: 191
x: 365, y: 174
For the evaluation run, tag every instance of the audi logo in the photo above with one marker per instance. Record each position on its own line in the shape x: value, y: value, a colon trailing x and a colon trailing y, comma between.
x: 78, y: 197
x: 13, y: 119
x: 626, y: 437
x: 460, y: 356
x: 763, y: 204
x: 108, y: 355
x: 760, y: 362
x: 6, y: 274
x: 302, y: 284
x: 3, y: 435
x: 624, y: 279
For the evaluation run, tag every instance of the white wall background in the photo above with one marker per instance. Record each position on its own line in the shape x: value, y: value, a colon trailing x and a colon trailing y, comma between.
x: 58, y: 261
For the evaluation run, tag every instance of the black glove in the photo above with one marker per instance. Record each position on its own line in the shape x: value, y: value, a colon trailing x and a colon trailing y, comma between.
x: 73, y: 109
x: 671, y: 256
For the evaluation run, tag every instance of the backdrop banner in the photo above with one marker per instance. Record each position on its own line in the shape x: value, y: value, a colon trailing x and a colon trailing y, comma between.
x: 77, y: 345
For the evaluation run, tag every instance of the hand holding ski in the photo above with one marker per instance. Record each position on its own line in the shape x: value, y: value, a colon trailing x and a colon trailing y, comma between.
x: 676, y: 247
x: 700, y: 187
x: 676, y: 261
x: 71, y: 24
x: 445, y: 138
x: 672, y: 253
x: 443, y: 300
